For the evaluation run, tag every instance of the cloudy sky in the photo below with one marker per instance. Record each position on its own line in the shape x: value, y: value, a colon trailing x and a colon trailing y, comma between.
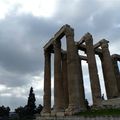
x: 25, y: 27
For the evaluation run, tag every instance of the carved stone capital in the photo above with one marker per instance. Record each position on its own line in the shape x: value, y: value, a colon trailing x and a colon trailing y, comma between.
x: 47, y: 53
x: 104, y: 43
x: 114, y: 57
x: 57, y: 44
x: 88, y: 37
x: 69, y: 32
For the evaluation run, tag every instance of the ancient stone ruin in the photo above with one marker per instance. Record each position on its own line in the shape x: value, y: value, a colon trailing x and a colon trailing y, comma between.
x: 69, y: 96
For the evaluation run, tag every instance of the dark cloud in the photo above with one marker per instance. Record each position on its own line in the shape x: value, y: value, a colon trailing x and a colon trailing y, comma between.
x: 97, y: 17
x: 21, y: 42
x: 14, y: 80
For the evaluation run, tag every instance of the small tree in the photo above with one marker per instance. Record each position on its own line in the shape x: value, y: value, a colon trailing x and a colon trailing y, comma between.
x: 20, y: 111
x: 4, y: 111
x: 30, y: 107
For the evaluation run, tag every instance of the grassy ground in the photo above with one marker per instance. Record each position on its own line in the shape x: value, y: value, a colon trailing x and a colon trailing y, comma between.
x: 102, y: 112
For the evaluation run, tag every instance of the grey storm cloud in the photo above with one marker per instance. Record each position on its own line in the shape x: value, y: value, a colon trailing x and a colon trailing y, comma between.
x: 97, y: 17
x: 21, y: 42
x: 14, y: 80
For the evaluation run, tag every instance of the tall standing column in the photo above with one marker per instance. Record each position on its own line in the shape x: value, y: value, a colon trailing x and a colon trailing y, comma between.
x: 73, y: 80
x: 116, y: 71
x: 58, y: 85
x: 94, y: 79
x: 104, y: 74
x: 65, y: 79
x: 110, y: 81
x: 81, y: 85
x: 47, y: 84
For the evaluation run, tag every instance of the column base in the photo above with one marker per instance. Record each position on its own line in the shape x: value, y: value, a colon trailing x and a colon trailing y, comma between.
x: 57, y: 112
x: 60, y: 114
x: 53, y: 113
x: 72, y: 110
x: 45, y: 113
x: 97, y: 104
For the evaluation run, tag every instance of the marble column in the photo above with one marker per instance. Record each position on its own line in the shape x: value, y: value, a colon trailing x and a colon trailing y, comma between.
x: 110, y: 79
x: 81, y: 86
x: 116, y: 71
x: 47, y: 84
x: 73, y: 80
x: 58, y: 83
x: 65, y: 79
x: 94, y: 79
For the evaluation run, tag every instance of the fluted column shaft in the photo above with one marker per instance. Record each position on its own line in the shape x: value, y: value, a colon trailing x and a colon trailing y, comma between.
x: 73, y: 80
x: 65, y: 80
x: 47, y: 83
x: 94, y: 79
x: 110, y: 79
x: 58, y: 83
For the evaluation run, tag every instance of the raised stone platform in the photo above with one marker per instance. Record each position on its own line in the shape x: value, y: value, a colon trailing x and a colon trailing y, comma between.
x: 111, y: 103
x: 80, y: 118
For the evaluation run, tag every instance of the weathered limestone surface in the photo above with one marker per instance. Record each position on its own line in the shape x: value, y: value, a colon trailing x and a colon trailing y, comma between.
x: 81, y: 85
x: 47, y: 84
x: 116, y: 71
x: 65, y: 80
x: 110, y: 79
x: 72, y: 68
x: 94, y: 79
x: 58, y: 88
